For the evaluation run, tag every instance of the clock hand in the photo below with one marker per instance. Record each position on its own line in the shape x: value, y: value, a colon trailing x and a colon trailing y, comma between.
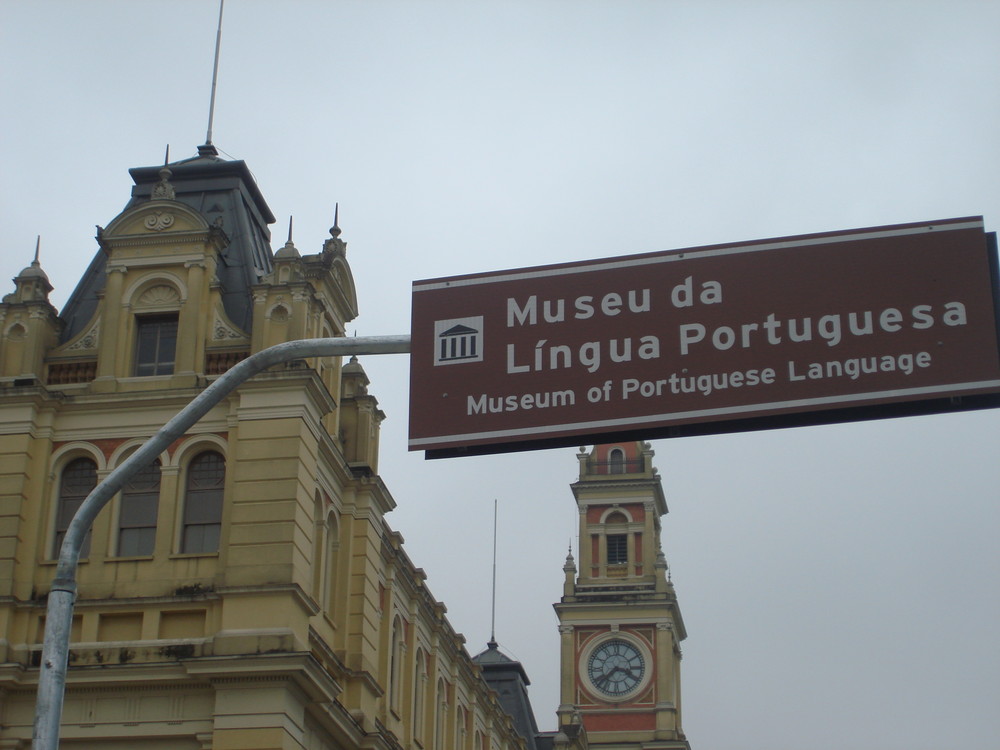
x: 612, y: 672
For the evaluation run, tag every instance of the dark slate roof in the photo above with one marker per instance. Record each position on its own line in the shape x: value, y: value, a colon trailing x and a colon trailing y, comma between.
x: 508, y: 678
x: 218, y: 189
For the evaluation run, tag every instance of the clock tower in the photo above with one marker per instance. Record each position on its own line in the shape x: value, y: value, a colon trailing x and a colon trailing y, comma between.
x: 619, y: 621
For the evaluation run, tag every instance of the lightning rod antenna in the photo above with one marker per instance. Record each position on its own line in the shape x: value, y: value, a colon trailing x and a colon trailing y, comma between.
x: 493, y: 613
x: 215, y: 76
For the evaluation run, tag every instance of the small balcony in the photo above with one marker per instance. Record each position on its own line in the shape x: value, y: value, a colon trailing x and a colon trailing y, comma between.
x: 616, y: 466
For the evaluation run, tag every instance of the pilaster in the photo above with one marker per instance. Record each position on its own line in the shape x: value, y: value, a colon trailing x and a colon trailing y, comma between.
x: 110, y: 342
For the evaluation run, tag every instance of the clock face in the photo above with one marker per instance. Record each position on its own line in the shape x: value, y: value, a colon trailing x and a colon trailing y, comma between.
x: 616, y: 667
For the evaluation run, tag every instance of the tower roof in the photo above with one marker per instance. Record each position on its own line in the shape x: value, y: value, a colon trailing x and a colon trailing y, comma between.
x: 226, y: 194
x: 493, y: 655
x: 508, y: 678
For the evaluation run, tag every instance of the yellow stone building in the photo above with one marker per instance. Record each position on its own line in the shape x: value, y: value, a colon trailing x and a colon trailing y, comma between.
x: 245, y: 590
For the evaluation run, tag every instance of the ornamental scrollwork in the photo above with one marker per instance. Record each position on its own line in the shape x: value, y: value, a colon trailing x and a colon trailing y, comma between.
x: 159, y: 221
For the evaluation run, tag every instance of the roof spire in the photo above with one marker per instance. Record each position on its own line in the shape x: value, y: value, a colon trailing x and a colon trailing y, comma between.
x: 335, y: 229
x: 208, y: 149
x: 32, y: 283
x: 290, y: 218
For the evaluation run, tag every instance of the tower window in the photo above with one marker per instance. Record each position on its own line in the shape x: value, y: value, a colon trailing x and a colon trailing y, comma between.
x: 206, y: 479
x: 156, y: 345
x: 617, y: 549
x: 137, y: 518
x: 616, y: 461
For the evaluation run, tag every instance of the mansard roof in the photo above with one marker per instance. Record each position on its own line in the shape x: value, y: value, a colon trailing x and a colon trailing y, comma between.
x: 226, y: 194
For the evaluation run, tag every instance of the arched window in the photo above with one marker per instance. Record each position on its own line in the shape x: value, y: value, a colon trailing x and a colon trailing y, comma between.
x: 78, y: 479
x: 440, y: 722
x: 330, y: 554
x: 319, y: 541
x: 137, y: 515
x: 202, y: 524
x: 325, y: 552
x: 419, y: 690
x: 616, y: 461
x: 156, y: 302
x: 463, y: 727
x: 395, y: 663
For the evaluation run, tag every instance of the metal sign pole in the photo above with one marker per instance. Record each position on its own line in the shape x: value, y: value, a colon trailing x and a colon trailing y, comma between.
x: 59, y: 613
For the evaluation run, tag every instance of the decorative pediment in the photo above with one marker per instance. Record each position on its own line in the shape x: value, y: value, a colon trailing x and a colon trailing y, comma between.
x: 155, y: 217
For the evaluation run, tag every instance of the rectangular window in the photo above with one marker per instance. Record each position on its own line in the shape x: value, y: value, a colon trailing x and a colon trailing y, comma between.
x: 617, y: 549
x: 155, y: 345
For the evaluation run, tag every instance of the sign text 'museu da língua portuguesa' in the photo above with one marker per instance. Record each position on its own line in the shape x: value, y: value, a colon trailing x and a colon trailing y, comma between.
x: 785, y: 331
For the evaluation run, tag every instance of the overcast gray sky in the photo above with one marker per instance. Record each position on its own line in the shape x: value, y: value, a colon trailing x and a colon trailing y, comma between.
x: 839, y: 584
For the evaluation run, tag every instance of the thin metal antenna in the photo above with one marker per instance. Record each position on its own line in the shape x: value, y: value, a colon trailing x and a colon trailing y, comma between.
x: 493, y: 614
x: 215, y: 76
x: 166, y: 156
x: 290, y: 230
x: 38, y: 247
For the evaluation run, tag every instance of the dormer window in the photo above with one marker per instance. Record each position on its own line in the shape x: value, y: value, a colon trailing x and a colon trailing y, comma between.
x: 156, y: 344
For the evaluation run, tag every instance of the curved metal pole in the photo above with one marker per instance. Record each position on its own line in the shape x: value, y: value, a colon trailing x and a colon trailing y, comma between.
x: 59, y: 614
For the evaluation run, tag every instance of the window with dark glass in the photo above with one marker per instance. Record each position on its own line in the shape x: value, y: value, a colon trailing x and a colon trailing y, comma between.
x: 617, y: 549
x: 137, y: 518
x: 77, y: 480
x: 206, y: 478
x: 156, y: 344
x: 616, y: 461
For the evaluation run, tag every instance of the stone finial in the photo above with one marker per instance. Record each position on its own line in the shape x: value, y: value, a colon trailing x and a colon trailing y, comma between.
x: 334, y: 246
x: 163, y: 190
x: 570, y: 564
x: 288, y: 250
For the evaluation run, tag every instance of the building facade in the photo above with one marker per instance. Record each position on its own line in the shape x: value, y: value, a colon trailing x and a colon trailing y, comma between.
x: 244, y: 591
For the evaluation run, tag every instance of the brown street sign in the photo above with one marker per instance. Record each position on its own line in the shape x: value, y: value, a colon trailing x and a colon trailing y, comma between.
x: 796, y: 330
